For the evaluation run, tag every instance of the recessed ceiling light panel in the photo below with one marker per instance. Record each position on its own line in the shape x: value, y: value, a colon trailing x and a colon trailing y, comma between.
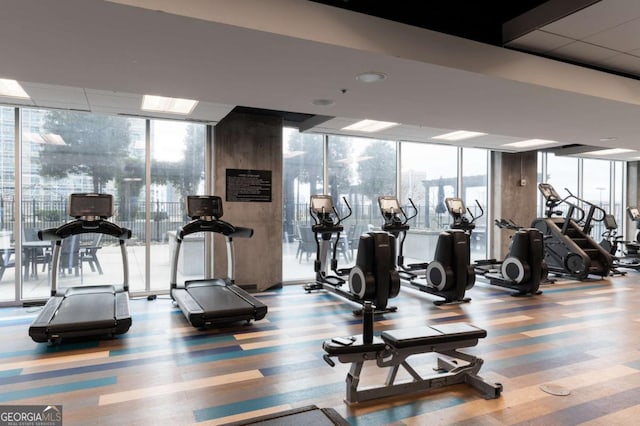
x: 12, y: 89
x: 458, y: 135
x: 370, y: 125
x: 168, y: 105
x: 530, y: 143
x: 612, y: 151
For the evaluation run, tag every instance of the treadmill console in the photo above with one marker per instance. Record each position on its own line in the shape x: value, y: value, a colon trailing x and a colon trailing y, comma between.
x: 204, y: 205
x: 91, y: 205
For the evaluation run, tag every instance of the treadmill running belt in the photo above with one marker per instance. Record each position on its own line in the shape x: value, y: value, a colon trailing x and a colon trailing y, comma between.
x: 220, y: 301
x: 84, y: 312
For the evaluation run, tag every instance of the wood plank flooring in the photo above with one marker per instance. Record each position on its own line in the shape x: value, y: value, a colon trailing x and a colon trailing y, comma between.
x: 581, y: 336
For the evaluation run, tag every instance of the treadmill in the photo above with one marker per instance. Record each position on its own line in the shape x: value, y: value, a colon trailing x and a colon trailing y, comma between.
x: 92, y: 310
x: 212, y: 301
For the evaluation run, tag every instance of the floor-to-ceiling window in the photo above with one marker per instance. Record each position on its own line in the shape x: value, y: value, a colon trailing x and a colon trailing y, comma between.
x: 359, y: 171
x: 429, y: 175
x: 600, y: 182
x: 148, y: 166
x: 596, y: 190
x: 66, y: 152
x: 177, y: 153
x: 303, y: 176
x: 475, y: 172
x: 7, y: 198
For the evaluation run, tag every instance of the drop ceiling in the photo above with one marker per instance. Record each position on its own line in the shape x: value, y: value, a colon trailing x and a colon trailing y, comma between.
x: 283, y: 55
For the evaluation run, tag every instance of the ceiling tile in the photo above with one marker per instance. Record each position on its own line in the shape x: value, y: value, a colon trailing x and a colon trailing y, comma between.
x: 594, y: 19
x: 539, y: 42
x: 622, y: 38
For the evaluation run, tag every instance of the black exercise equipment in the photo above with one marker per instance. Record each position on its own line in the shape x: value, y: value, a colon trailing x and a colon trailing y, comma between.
x: 93, y: 310
x: 373, y: 250
x: 213, y: 301
x: 523, y: 268
x: 632, y: 248
x: 449, y: 274
x: 309, y: 415
x: 624, y: 253
x: 569, y: 249
x: 392, y: 348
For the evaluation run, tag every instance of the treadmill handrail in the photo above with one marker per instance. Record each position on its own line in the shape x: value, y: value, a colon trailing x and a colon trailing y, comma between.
x: 80, y: 226
x: 217, y: 226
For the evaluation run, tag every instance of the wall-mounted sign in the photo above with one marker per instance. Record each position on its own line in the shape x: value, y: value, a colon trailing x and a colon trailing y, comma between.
x: 248, y: 185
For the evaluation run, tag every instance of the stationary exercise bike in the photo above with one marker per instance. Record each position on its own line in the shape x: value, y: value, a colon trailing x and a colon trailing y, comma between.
x: 523, y: 268
x: 449, y: 274
x: 373, y: 250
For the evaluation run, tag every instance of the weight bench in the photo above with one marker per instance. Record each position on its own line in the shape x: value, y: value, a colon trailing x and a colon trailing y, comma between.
x: 393, y: 347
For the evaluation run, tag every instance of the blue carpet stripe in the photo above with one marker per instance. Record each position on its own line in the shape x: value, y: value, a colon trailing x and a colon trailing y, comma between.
x: 563, y: 289
x: 292, y: 398
x: 204, y: 357
x: 41, y: 349
x: 15, y: 321
x: 298, y: 366
x: 10, y: 373
x: 396, y: 413
x: 175, y: 342
x: 54, y: 389
x: 108, y: 366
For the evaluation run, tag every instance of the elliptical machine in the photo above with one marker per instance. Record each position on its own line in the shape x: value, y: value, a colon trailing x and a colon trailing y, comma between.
x: 449, y: 274
x: 523, y: 269
x: 374, y: 249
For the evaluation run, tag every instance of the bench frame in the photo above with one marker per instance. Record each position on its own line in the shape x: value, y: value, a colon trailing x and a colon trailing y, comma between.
x: 453, y: 367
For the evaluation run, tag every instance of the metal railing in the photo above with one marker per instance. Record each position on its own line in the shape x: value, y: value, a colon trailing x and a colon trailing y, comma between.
x: 42, y: 214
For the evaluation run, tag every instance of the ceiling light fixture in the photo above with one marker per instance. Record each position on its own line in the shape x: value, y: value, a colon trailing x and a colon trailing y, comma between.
x: 458, y: 135
x: 168, y: 105
x: 612, y: 151
x: 12, y: 89
x: 370, y: 125
x: 530, y: 143
x: 371, y: 76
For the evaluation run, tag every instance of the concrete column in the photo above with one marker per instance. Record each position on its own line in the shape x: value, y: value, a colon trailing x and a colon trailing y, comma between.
x: 633, y: 197
x: 251, y: 142
x: 515, y: 192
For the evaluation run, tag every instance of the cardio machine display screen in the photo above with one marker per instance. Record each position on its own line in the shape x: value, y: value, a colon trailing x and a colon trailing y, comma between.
x: 455, y: 205
x: 548, y: 192
x: 204, y: 205
x: 389, y: 205
x: 634, y: 214
x: 321, y: 203
x: 99, y: 205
